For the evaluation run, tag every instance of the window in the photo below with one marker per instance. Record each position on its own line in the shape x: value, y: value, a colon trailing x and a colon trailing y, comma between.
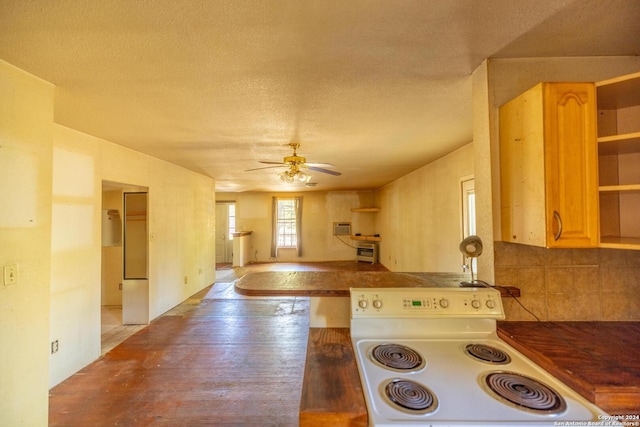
x: 286, y: 224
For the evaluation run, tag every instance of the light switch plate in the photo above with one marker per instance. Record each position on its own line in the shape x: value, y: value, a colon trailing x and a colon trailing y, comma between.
x: 10, y: 274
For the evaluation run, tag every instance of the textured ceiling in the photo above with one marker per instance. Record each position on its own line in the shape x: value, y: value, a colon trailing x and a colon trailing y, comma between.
x: 377, y: 88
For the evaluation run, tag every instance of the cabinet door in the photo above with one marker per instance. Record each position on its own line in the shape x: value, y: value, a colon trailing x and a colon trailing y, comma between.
x: 571, y: 165
x: 522, y: 190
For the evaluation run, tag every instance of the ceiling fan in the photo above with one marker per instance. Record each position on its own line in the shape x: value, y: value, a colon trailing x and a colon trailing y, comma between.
x: 295, y: 165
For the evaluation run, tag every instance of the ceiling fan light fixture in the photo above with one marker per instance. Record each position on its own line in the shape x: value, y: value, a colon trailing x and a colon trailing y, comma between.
x: 285, y: 177
x: 294, y: 174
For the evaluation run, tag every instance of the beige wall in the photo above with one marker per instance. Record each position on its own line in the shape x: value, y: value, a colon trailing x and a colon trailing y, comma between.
x: 485, y: 160
x: 26, y: 119
x: 75, y: 253
x: 50, y: 227
x: 320, y: 209
x: 181, y: 244
x: 420, y: 221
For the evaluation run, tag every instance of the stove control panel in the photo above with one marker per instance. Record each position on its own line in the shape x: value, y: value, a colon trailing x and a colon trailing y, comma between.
x: 426, y: 302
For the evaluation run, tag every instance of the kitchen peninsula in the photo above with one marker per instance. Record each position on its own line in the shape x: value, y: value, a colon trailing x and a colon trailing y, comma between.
x: 338, y: 283
x: 581, y: 354
x: 329, y: 290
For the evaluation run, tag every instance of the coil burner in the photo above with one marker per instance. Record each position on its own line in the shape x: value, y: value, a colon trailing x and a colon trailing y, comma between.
x: 487, y: 354
x: 523, y: 392
x: 410, y: 396
x: 397, y: 357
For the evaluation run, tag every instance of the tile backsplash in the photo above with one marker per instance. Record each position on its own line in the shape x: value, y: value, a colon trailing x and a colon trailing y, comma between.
x: 569, y: 284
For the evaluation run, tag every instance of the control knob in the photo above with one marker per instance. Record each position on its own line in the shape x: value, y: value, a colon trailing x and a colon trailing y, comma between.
x: 444, y: 303
x: 377, y: 303
x: 363, y: 303
x: 491, y: 303
x: 475, y: 303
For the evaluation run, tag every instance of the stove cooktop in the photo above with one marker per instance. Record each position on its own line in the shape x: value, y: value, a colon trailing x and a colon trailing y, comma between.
x: 450, y: 388
x: 432, y: 357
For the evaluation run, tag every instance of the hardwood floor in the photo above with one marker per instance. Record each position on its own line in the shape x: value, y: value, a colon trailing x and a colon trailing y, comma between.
x: 113, y: 331
x: 217, y: 359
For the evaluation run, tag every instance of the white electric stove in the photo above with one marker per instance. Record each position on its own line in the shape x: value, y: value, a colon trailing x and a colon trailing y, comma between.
x: 431, y: 356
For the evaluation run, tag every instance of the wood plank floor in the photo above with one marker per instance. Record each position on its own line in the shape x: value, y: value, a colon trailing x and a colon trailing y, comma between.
x: 218, y: 359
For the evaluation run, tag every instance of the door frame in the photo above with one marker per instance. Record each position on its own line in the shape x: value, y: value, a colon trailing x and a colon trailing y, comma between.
x: 227, y: 256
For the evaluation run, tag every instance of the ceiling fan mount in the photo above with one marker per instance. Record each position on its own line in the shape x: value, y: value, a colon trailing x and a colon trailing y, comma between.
x: 294, y: 159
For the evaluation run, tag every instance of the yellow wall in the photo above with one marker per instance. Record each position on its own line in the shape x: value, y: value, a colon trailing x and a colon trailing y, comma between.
x: 421, y: 216
x: 320, y: 209
x: 26, y: 119
x: 181, y: 229
x: 75, y: 253
x: 50, y: 227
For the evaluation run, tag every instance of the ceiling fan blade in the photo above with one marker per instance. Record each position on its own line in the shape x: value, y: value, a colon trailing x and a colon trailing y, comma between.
x: 320, y: 165
x: 322, y: 170
x: 265, y: 167
x: 271, y: 163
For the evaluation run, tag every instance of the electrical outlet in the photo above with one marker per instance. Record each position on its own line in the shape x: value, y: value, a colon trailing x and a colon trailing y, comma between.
x: 120, y: 286
x: 186, y: 280
x: 10, y: 274
x: 54, y: 346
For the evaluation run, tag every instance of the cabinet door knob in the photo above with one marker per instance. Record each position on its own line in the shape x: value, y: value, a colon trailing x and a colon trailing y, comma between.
x: 558, y: 219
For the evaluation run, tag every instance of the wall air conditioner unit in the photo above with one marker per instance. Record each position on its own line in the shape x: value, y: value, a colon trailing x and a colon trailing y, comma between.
x: 341, y: 228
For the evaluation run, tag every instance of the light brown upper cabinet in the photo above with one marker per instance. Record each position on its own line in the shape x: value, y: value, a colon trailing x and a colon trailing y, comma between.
x: 549, y: 167
x: 618, y: 103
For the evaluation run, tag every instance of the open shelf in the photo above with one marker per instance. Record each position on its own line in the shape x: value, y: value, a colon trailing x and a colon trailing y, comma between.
x: 619, y: 144
x: 367, y: 238
x: 618, y: 102
x: 617, y: 242
x: 365, y: 209
x: 619, y: 92
x: 626, y: 188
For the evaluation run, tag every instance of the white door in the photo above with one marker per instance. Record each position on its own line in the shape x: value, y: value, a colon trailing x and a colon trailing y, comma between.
x: 224, y: 249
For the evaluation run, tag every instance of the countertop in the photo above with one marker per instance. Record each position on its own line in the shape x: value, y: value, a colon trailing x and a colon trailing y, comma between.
x: 331, y: 391
x: 599, y: 360
x: 338, y: 283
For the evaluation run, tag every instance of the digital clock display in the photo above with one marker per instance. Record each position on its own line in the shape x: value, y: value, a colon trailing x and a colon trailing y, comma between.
x: 416, y: 303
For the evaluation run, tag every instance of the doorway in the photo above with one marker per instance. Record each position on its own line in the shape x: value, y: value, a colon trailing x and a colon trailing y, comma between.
x: 116, y: 303
x: 468, y: 195
x: 225, y: 226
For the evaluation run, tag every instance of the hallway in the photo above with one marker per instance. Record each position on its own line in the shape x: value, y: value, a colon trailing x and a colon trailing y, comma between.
x: 217, y: 359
